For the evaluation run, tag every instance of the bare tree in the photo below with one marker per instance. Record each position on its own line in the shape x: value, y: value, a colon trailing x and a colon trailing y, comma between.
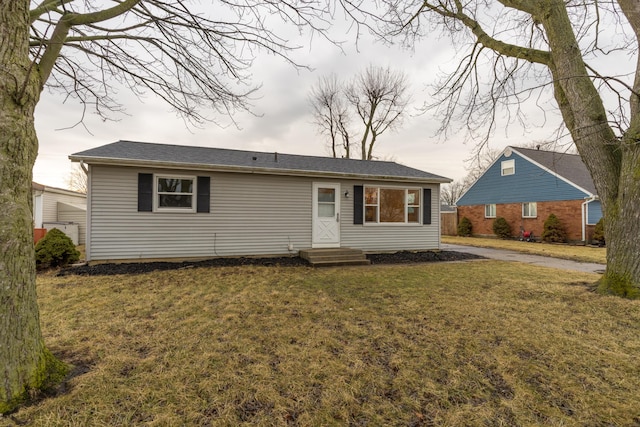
x: 450, y: 193
x: 331, y: 114
x: 77, y: 179
x: 377, y: 97
x: 519, y: 50
x: 197, y: 60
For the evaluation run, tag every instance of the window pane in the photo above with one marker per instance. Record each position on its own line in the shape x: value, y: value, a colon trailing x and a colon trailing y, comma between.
x: 391, y: 205
x: 326, y: 210
x: 371, y: 214
x: 529, y: 209
x: 175, y: 201
x: 508, y: 167
x: 175, y: 185
x: 413, y: 215
x: 326, y: 194
x: 370, y: 196
x: 490, y: 211
x: 413, y: 197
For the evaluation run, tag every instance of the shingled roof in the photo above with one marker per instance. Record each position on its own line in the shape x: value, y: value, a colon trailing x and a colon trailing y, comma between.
x: 130, y: 153
x: 569, y: 166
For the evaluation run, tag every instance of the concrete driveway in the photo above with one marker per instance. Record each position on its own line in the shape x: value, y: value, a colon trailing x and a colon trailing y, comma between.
x: 506, y: 255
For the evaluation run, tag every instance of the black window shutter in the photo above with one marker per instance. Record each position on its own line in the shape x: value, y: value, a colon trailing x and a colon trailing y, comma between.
x: 145, y: 192
x: 358, y: 204
x: 204, y: 194
x: 426, y: 211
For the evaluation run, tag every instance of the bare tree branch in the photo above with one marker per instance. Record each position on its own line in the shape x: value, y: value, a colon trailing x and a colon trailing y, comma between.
x: 195, y: 63
x: 379, y: 97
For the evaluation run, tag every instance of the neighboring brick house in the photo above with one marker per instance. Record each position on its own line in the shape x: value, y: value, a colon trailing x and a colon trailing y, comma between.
x: 525, y: 186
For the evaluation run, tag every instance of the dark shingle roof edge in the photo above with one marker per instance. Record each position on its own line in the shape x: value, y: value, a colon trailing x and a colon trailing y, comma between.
x: 130, y: 153
x: 566, y: 165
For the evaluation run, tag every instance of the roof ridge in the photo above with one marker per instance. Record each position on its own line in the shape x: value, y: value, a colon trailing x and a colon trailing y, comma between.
x: 257, y: 152
x: 545, y: 151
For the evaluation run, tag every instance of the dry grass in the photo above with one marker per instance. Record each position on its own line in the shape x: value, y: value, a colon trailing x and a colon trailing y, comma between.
x: 478, y: 344
x: 575, y: 253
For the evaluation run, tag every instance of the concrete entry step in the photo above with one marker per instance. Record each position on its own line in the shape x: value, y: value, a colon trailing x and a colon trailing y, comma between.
x: 327, y: 257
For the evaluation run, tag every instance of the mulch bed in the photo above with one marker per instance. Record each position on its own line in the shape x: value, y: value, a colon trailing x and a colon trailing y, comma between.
x: 403, y: 257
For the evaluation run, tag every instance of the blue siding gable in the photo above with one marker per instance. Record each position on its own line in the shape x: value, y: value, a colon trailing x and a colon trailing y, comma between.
x: 594, y: 212
x: 530, y: 183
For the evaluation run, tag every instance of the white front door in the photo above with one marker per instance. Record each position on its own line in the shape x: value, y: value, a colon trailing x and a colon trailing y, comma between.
x: 326, y: 215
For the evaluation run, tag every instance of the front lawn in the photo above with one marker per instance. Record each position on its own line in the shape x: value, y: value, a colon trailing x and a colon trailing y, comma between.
x: 474, y: 343
x: 572, y: 252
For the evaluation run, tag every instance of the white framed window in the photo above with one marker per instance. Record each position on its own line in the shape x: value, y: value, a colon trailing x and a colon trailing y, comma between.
x: 508, y: 167
x: 529, y: 210
x: 391, y: 205
x: 490, y: 211
x: 174, y: 193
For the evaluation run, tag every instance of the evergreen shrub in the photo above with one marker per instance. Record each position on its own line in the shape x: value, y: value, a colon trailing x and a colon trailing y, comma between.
x: 501, y: 228
x: 465, y: 227
x: 553, y: 230
x: 55, y: 249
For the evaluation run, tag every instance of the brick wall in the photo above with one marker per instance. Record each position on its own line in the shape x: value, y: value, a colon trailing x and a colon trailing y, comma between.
x: 569, y: 213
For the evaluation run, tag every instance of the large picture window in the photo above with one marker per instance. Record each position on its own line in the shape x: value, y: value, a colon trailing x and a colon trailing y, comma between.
x: 175, y: 193
x: 391, y: 205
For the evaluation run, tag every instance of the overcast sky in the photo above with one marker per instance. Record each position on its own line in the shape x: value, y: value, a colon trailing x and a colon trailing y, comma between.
x: 283, y: 122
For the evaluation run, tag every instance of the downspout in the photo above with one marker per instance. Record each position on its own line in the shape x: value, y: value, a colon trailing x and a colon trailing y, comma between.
x: 87, y: 242
x: 587, y: 200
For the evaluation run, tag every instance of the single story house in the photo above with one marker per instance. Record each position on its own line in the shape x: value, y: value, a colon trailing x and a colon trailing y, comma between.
x: 59, y: 208
x: 156, y: 201
x: 525, y: 186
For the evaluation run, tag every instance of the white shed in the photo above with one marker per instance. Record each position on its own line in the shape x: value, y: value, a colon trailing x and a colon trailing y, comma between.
x: 56, y: 205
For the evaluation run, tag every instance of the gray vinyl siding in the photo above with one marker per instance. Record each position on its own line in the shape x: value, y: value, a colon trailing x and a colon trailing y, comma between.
x: 50, y: 204
x: 77, y: 214
x: 243, y: 218
x: 250, y: 214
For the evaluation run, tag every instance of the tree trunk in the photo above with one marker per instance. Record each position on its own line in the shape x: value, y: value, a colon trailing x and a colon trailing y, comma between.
x: 622, y: 230
x: 25, y: 363
x: 614, y: 164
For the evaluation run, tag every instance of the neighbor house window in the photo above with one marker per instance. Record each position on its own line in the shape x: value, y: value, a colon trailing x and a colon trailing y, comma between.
x: 529, y: 210
x: 392, y: 205
x: 508, y: 167
x: 176, y: 193
x: 490, y: 211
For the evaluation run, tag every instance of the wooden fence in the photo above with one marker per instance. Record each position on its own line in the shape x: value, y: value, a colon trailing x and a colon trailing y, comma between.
x: 448, y: 223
